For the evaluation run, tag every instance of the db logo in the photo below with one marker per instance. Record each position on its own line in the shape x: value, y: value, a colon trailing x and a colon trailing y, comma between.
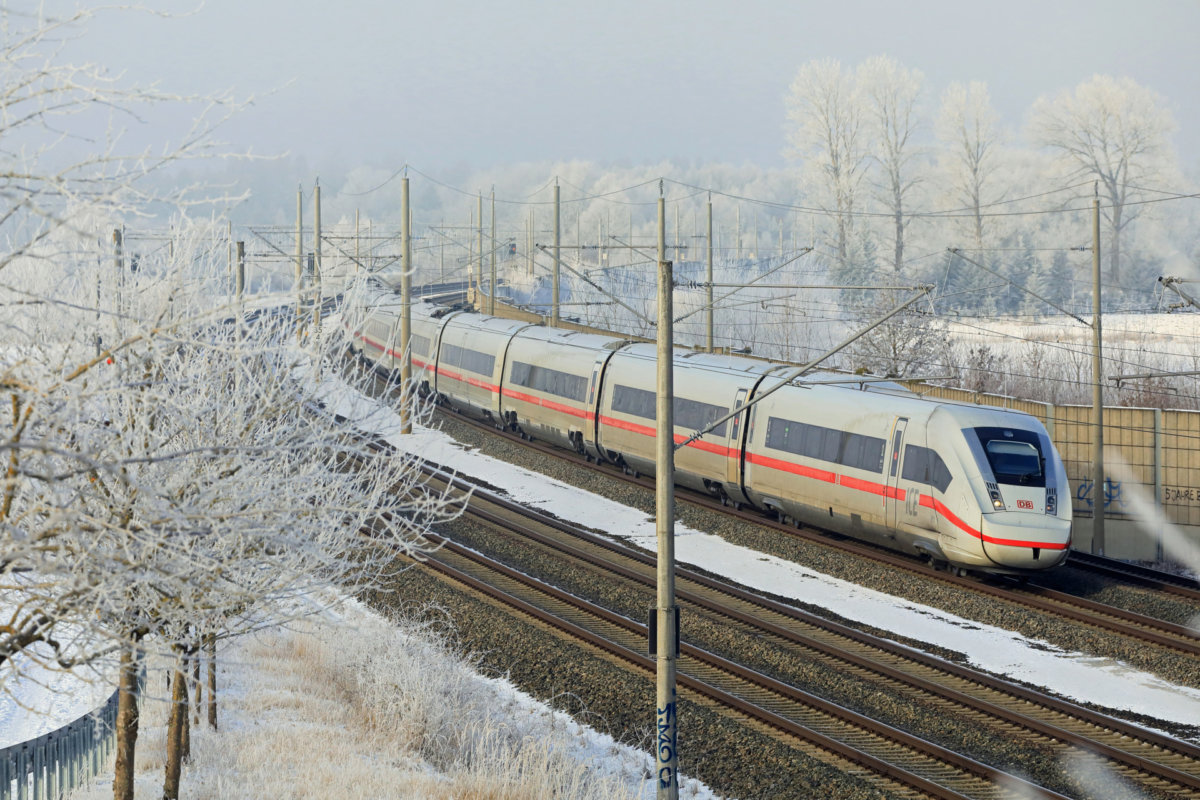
x: 1025, y: 504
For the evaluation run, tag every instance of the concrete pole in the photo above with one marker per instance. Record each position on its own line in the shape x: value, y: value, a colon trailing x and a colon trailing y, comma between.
x: 757, y: 254
x: 630, y: 264
x: 492, y: 284
x: 557, y: 253
x: 299, y: 261
x: 239, y: 282
x: 738, y: 233
x: 357, y: 249
x: 317, y: 258
x: 529, y: 235
x: 119, y: 267
x: 667, y: 721
x: 406, y: 312
x: 479, y: 273
x: 1158, y: 479
x: 708, y: 308
x: 229, y: 247
x: 1097, y: 388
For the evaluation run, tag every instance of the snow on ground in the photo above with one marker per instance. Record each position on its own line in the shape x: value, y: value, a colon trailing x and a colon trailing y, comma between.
x: 37, y: 699
x: 292, y: 703
x: 1084, y: 678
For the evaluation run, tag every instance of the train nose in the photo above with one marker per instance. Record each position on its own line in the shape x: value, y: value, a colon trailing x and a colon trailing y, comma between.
x: 1018, y: 540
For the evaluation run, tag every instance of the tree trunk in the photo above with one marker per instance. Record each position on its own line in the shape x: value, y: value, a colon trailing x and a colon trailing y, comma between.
x: 127, y: 723
x: 1114, y: 251
x: 196, y: 658
x: 212, y: 681
x: 176, y: 725
x: 185, y: 726
x: 899, y: 253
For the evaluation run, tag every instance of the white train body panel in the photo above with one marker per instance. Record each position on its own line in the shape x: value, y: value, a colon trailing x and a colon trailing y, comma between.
x: 548, y: 374
x: 470, y: 362
x: 375, y: 332
x: 971, y: 486
x: 706, y: 388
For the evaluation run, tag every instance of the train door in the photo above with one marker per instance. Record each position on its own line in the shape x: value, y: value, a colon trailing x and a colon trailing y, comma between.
x: 734, y: 462
x: 893, y: 497
x: 591, y: 410
x: 498, y: 410
x: 389, y: 356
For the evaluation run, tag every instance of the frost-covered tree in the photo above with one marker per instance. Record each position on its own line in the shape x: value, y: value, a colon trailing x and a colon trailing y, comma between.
x: 1116, y: 132
x: 968, y: 130
x: 908, y: 344
x: 828, y: 136
x: 891, y: 94
x: 180, y: 483
x: 167, y: 472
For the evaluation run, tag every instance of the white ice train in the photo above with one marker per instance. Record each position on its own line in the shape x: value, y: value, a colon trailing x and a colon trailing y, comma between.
x: 972, y: 487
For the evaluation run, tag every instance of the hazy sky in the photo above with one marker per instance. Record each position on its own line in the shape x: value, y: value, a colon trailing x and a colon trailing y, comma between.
x: 449, y: 82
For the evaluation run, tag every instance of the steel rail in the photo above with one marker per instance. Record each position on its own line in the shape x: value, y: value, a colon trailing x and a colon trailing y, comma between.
x: 725, y: 698
x: 1166, y: 582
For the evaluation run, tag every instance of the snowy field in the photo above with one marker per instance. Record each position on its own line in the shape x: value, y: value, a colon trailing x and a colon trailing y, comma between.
x: 1174, y: 337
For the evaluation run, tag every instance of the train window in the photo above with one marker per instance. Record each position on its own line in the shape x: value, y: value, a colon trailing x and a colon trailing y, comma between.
x: 1018, y: 461
x: 470, y: 360
x: 694, y: 415
x: 939, y: 473
x: 637, y: 402
x: 550, y: 381
x: 831, y: 444
x: 826, y: 444
x: 862, y: 452
x: 420, y: 345
x: 691, y: 414
x: 1015, y: 456
x: 925, y: 466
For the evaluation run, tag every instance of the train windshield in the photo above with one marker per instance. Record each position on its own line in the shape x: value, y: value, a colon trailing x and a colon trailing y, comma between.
x: 1015, y: 456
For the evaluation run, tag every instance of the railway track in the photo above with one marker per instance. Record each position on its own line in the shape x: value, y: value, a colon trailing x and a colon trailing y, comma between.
x: 1147, y: 759
x: 1106, y: 618
x: 1166, y: 582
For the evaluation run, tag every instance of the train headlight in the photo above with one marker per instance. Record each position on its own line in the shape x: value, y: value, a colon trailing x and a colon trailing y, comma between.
x: 997, y: 500
x: 1052, y: 502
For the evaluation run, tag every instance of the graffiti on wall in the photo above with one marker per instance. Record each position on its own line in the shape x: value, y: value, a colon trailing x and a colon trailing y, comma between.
x: 1180, y: 494
x: 1112, y: 494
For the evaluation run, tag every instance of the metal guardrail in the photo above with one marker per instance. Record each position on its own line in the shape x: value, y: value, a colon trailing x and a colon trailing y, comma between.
x: 48, y: 767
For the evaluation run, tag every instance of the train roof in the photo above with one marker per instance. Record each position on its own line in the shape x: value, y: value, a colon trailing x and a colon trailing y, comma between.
x: 591, y: 341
